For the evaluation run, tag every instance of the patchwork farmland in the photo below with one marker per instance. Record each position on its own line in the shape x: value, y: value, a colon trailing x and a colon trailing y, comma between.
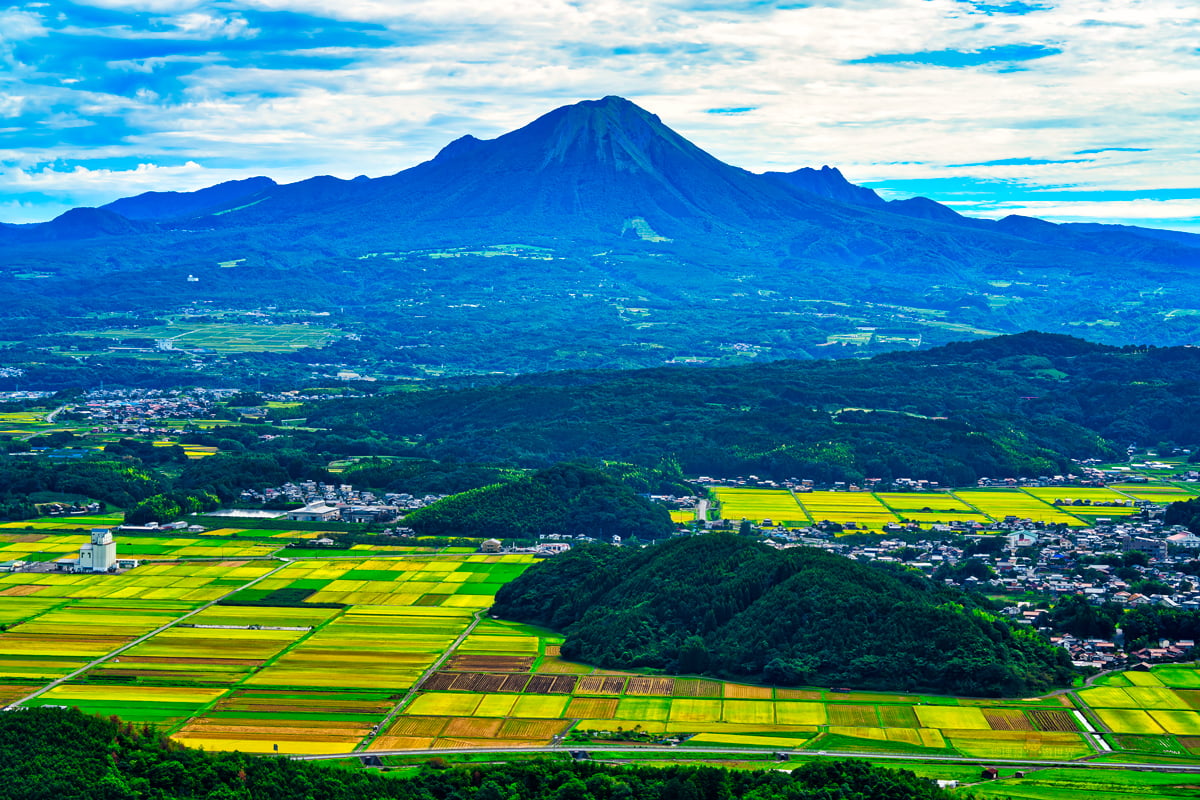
x: 296, y: 652
x: 871, y: 511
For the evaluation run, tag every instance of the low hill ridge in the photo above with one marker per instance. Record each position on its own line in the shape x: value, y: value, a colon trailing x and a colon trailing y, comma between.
x: 733, y: 608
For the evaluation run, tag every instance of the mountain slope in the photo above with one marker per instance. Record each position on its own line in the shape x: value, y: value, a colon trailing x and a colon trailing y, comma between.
x: 605, y: 170
x: 174, y: 205
x: 581, y: 171
x: 720, y: 605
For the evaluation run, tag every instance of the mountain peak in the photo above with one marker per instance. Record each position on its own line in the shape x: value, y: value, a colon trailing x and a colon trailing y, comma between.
x: 611, y: 131
x: 828, y: 182
x: 462, y: 146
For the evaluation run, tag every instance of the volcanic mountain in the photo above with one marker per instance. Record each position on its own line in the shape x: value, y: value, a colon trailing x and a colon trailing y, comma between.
x: 607, y: 169
x: 611, y: 198
x: 589, y: 171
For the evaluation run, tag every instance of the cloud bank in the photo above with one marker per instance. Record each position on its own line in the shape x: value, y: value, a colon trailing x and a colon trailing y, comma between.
x: 1067, y: 109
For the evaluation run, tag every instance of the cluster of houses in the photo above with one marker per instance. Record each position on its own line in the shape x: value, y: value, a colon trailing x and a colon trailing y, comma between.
x: 68, y: 509
x: 541, y: 550
x: 339, y: 502
x: 130, y: 410
x: 1050, y: 563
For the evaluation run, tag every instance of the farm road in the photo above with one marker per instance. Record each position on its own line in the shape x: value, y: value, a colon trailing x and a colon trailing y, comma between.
x: 140, y: 639
x: 1190, y: 768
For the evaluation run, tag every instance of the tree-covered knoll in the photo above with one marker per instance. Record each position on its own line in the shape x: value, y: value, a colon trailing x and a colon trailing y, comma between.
x: 564, y: 499
x: 99, y: 476
x: 1009, y: 406
x: 1185, y: 513
x: 51, y: 754
x: 730, y: 607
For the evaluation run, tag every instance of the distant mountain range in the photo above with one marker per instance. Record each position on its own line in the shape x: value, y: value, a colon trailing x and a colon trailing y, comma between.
x: 583, y: 172
x: 629, y: 214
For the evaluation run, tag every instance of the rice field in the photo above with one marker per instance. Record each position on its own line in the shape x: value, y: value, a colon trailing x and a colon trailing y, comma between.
x: 1002, y: 503
x: 1155, y: 492
x: 234, y: 338
x: 193, y: 451
x: 757, y: 505
x: 871, y: 511
x: 356, y: 641
x: 51, y: 546
x: 859, y: 509
x: 1088, y: 501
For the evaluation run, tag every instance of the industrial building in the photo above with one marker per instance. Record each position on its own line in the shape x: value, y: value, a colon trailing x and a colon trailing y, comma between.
x: 98, y: 555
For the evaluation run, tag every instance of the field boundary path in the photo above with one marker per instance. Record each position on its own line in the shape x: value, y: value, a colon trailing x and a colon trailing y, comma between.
x: 231, y: 688
x: 383, y: 724
x: 58, y: 681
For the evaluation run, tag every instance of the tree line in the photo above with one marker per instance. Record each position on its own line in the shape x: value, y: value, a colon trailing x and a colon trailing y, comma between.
x: 52, y: 754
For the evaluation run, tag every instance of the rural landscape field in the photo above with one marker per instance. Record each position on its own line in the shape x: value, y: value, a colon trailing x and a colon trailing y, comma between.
x: 232, y: 641
x: 599, y: 400
x: 868, y: 511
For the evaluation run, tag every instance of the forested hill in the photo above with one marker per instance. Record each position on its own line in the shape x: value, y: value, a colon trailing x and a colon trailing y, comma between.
x: 733, y: 608
x: 1013, y: 405
x: 566, y: 498
x: 48, y: 754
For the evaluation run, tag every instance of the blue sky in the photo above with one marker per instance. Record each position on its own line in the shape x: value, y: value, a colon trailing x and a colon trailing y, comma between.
x: 1063, y: 109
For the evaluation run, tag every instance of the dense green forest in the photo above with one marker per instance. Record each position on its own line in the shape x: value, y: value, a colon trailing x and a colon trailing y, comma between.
x: 564, y: 499
x: 1146, y: 625
x: 731, y: 607
x: 50, y: 754
x: 1010, y: 406
x: 120, y: 483
x: 1186, y: 513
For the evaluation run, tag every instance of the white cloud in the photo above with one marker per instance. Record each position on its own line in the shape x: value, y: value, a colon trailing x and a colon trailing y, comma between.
x: 94, y: 187
x: 1125, y: 76
x: 1177, y: 214
x: 17, y: 25
x: 209, y: 26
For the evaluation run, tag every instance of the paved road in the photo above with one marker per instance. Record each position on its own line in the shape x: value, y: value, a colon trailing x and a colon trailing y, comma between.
x: 139, y: 640
x: 1190, y: 768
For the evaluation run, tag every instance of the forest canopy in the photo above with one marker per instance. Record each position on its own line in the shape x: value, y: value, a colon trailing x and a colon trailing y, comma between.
x: 1023, y: 405
x: 51, y: 754
x: 730, y: 607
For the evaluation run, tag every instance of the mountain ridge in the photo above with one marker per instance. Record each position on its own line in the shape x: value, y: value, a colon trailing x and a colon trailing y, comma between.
x: 609, y: 134
x: 633, y: 246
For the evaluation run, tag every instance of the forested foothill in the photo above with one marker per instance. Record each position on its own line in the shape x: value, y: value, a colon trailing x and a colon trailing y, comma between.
x: 565, y: 499
x: 1012, y: 406
x: 51, y: 754
x: 725, y: 606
